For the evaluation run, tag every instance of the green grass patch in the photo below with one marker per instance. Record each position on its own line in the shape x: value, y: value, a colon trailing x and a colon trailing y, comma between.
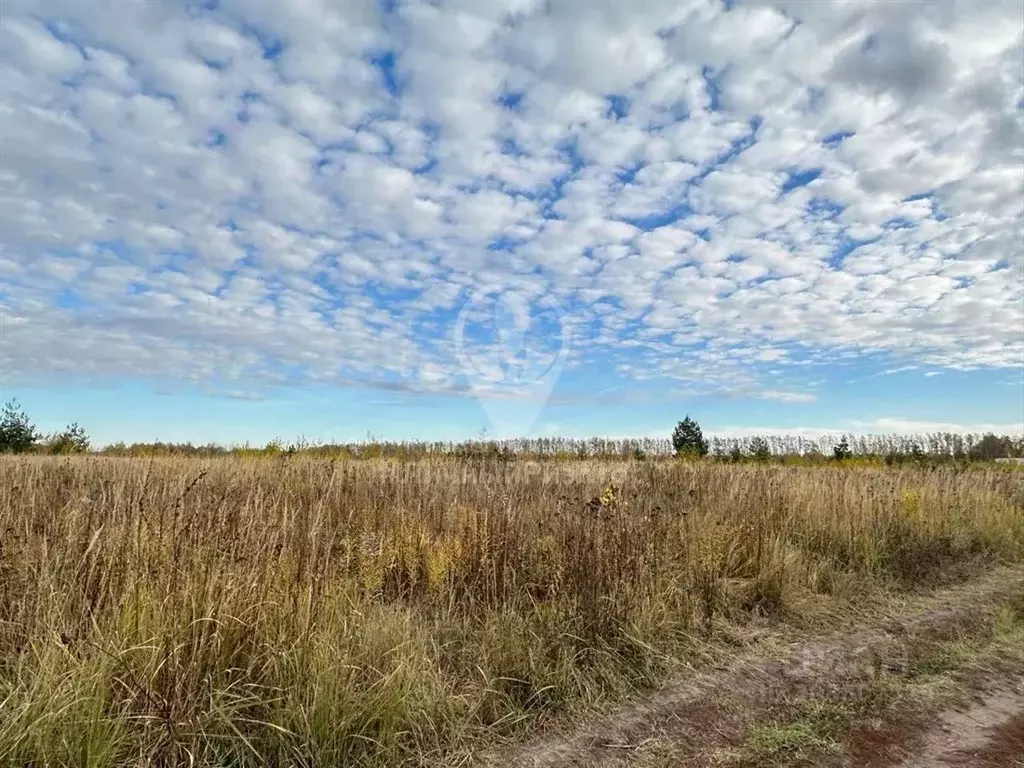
x: 814, y: 730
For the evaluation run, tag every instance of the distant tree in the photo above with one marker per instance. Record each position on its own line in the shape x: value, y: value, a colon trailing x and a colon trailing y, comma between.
x: 760, y: 449
x: 688, y: 440
x: 842, y: 450
x: 17, y: 432
x: 812, y: 452
x: 991, y: 447
x: 72, y: 439
x: 736, y: 454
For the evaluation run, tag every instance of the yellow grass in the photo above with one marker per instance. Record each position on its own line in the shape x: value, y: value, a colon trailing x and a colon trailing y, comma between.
x: 366, y: 613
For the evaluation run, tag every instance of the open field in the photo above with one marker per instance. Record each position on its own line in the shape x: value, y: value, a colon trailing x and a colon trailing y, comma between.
x: 371, y: 613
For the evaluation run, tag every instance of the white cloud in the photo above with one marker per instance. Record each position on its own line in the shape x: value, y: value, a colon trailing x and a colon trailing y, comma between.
x: 782, y: 396
x: 882, y: 426
x: 302, y: 190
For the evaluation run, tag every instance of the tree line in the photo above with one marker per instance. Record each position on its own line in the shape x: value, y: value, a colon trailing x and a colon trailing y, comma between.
x: 18, y: 434
x: 688, y: 440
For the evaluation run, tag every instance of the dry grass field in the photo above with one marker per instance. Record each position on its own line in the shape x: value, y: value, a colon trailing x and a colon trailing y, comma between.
x: 238, y: 612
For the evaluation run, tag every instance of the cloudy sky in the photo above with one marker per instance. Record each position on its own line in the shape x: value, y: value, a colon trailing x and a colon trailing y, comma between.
x: 237, y: 219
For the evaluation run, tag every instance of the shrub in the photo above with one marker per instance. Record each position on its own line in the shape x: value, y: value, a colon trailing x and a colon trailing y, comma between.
x: 72, y: 440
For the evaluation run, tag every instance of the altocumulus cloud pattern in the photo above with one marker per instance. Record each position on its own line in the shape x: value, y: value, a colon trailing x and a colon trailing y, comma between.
x: 266, y: 192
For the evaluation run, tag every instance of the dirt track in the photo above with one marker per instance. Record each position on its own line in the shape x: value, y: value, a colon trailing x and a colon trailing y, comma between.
x: 692, y: 723
x: 988, y: 734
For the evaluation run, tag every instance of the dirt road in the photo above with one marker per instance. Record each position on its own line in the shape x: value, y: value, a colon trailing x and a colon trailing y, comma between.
x: 989, y: 734
x: 820, y: 703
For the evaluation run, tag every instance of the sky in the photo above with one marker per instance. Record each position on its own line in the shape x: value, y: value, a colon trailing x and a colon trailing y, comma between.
x: 235, y: 220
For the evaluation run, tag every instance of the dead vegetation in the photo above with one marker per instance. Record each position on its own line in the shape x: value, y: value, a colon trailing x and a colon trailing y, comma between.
x: 370, y: 613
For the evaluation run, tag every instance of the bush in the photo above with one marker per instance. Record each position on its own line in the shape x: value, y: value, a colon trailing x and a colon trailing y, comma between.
x: 72, y: 440
x: 17, y: 432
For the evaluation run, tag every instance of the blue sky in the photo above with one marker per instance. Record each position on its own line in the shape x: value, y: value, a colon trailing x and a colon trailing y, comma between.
x: 241, y: 220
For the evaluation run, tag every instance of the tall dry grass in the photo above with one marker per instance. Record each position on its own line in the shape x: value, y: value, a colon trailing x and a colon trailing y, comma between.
x: 304, y: 612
